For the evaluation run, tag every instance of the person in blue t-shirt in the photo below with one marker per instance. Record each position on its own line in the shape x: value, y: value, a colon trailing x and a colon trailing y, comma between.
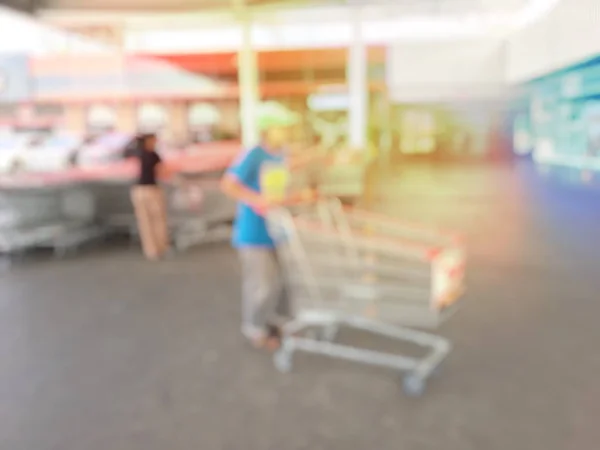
x: 262, y: 288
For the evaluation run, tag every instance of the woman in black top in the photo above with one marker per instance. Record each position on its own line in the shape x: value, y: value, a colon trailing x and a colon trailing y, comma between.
x: 149, y: 200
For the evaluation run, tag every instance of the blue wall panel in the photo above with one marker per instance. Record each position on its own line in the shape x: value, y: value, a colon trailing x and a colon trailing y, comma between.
x: 560, y: 112
x: 15, y: 80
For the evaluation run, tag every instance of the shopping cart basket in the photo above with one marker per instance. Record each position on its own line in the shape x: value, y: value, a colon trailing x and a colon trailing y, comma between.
x: 370, y: 272
x: 58, y: 215
x: 199, y: 212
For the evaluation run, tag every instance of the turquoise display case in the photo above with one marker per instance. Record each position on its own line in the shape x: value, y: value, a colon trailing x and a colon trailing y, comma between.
x: 559, y: 114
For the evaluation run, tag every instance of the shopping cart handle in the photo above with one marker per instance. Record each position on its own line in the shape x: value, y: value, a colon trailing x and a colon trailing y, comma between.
x: 456, y: 238
x: 304, y: 196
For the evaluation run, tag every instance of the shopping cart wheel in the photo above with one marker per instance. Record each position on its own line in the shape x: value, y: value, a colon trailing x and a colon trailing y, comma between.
x: 413, y: 386
x: 283, y: 361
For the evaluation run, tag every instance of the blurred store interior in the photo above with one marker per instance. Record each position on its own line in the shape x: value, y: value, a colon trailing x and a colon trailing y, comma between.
x: 478, y: 115
x: 467, y: 93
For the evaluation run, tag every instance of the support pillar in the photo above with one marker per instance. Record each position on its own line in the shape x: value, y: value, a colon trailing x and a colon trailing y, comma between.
x: 247, y: 65
x: 74, y: 118
x: 127, y: 117
x: 358, y: 89
x: 178, y: 123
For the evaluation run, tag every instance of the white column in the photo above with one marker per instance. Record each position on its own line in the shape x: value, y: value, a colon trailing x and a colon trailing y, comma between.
x: 248, y: 86
x: 358, y: 89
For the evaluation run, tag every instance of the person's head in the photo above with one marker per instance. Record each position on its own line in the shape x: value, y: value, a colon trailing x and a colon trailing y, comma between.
x: 147, y: 142
x: 276, y: 137
x: 275, y: 123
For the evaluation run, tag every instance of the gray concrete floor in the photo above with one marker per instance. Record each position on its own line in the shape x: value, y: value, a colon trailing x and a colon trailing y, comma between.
x: 105, y: 351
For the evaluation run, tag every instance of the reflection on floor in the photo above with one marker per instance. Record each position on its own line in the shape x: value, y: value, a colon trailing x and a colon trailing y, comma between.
x: 107, y: 351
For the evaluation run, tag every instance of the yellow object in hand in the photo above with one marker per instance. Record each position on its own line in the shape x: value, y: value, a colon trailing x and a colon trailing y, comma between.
x: 274, y: 182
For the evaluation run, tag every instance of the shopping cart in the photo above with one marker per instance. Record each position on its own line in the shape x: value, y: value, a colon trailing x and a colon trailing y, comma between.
x: 199, y: 212
x: 346, y: 268
x: 58, y: 215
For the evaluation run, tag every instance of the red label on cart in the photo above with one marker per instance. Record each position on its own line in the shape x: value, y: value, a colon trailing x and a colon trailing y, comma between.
x: 448, y: 278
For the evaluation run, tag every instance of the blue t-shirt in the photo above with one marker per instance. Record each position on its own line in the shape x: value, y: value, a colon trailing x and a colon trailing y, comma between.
x: 250, y: 229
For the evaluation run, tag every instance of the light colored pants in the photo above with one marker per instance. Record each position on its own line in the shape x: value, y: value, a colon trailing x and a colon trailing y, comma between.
x: 151, y: 214
x: 264, y: 301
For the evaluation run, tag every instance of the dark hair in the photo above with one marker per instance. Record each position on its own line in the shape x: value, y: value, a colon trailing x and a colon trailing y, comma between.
x: 142, y: 139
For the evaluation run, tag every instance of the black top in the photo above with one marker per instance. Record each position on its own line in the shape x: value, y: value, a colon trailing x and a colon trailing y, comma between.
x: 148, y: 163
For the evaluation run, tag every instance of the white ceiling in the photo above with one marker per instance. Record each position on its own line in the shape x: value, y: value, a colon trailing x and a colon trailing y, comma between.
x: 381, y: 22
x: 409, y: 7
x: 133, y: 5
x: 197, y: 24
x: 153, y: 14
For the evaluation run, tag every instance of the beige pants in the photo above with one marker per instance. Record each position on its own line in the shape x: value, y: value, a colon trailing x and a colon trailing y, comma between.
x: 264, y: 299
x: 151, y: 214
